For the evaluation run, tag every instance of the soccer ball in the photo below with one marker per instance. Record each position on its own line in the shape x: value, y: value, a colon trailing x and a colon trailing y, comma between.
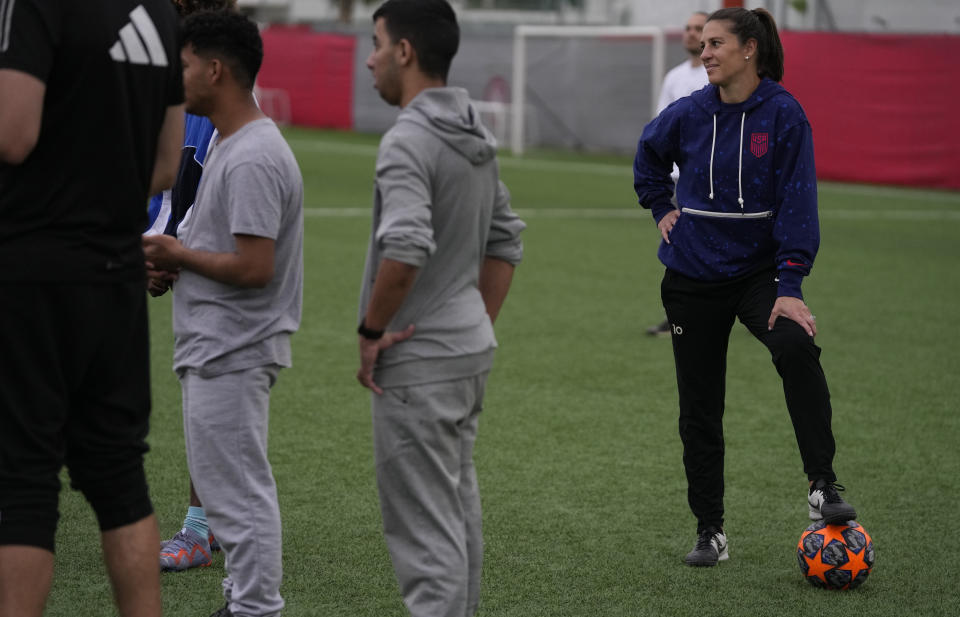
x: 835, y: 556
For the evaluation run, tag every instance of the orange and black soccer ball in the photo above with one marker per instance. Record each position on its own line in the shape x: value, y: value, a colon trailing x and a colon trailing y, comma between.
x: 835, y: 556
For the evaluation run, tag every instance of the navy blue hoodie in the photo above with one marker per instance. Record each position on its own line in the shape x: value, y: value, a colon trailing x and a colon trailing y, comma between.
x: 747, y: 188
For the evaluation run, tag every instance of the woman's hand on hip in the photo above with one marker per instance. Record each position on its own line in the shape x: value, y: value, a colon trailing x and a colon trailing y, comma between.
x: 666, y: 224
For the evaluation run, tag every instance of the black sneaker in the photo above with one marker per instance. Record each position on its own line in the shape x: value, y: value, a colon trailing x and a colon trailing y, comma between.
x: 826, y: 503
x: 711, y: 548
x: 661, y: 329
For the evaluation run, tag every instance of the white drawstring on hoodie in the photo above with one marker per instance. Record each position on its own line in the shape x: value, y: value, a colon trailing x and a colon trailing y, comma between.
x: 713, y: 146
x: 743, y: 118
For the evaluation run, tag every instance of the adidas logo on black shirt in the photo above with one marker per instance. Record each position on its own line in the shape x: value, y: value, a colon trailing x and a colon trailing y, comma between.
x: 139, y: 41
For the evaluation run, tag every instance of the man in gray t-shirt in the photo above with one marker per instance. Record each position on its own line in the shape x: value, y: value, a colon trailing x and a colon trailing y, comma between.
x: 238, y: 265
x: 251, y: 187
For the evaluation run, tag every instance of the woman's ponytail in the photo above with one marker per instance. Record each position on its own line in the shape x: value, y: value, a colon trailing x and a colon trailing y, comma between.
x: 770, y: 61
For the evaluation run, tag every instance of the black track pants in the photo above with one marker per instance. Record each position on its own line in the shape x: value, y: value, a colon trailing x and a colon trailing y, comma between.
x: 702, y: 315
x: 74, y: 390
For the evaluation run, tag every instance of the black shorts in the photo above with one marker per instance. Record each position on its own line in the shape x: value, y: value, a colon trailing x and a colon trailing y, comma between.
x: 74, y: 390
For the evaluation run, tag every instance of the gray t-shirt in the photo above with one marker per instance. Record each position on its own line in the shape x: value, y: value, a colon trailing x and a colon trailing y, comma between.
x: 251, y: 185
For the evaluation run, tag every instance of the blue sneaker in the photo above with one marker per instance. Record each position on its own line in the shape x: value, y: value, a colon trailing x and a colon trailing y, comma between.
x: 185, y: 550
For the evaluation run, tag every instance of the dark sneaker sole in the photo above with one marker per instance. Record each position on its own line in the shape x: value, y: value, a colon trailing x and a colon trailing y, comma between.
x: 706, y: 562
x: 840, y: 518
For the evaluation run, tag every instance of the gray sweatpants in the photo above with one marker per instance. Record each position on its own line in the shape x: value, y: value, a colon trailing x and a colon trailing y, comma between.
x: 429, y: 498
x: 225, y: 421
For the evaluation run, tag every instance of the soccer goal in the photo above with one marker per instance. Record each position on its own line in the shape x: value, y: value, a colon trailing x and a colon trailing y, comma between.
x: 584, y: 86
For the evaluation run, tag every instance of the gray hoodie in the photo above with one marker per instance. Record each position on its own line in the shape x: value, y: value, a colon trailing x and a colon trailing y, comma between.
x: 439, y: 205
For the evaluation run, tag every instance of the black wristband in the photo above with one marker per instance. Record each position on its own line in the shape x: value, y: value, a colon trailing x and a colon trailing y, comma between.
x: 367, y: 333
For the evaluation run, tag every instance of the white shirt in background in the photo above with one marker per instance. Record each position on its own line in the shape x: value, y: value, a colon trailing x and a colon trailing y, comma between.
x: 682, y: 80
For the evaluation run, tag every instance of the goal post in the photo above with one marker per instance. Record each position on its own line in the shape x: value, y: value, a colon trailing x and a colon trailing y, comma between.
x: 523, y: 32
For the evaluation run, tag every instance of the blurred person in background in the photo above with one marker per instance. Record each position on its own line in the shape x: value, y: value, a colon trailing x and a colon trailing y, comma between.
x: 688, y: 76
x: 738, y: 246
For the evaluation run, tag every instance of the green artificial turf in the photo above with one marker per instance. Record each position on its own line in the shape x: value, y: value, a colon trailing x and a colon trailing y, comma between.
x: 579, y: 460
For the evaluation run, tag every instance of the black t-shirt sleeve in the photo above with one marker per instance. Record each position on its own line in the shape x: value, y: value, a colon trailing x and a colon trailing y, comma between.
x: 29, y: 35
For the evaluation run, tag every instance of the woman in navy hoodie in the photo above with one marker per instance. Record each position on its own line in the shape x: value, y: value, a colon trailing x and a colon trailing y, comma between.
x: 743, y: 236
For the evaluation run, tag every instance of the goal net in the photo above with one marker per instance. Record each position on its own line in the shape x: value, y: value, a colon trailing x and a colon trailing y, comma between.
x: 584, y: 87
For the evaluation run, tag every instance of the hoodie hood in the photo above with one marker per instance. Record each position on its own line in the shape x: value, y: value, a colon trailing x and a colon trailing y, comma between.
x: 448, y: 114
x: 708, y: 98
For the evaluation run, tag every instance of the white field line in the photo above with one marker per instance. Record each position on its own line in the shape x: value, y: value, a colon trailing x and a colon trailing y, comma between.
x: 919, y: 216
x: 891, y: 192
x: 639, y: 213
x: 333, y: 147
x: 625, y: 171
x: 604, y: 169
x: 337, y: 212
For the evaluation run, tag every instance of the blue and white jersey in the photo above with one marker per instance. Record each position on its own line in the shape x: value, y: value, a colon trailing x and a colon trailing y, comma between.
x: 167, y: 209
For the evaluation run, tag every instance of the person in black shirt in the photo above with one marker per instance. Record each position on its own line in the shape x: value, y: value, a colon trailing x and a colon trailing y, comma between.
x: 91, y: 123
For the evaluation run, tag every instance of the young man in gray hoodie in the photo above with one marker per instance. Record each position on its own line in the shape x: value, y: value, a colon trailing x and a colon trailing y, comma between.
x: 440, y: 262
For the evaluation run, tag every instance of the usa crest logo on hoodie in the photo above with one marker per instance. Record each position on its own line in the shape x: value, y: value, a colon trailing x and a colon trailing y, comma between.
x: 758, y: 144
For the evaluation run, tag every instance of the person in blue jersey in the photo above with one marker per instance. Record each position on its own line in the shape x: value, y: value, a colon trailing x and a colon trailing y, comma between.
x: 743, y: 235
x: 168, y: 208
x: 192, y: 546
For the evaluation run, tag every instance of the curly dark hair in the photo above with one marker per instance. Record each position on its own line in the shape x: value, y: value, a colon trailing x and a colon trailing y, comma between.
x: 228, y: 36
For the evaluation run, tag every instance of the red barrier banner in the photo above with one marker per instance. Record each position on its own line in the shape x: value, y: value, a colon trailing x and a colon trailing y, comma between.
x: 882, y: 107
x: 313, y: 73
